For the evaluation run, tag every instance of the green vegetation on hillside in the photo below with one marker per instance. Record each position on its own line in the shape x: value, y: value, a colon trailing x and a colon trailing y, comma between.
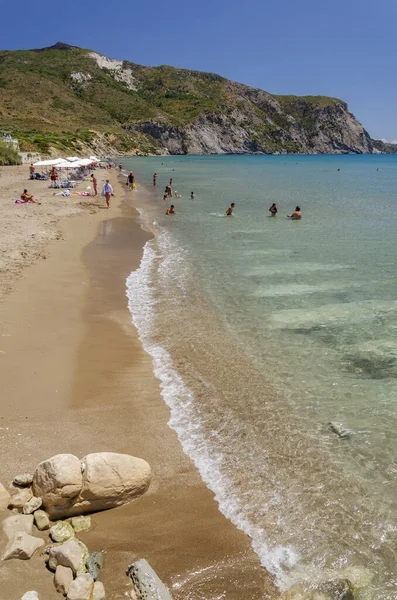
x: 60, y: 98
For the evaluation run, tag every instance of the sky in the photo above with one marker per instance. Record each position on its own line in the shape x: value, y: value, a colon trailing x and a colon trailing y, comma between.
x: 340, y: 48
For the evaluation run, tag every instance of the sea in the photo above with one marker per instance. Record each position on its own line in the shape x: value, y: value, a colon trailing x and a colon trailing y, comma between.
x: 274, y: 342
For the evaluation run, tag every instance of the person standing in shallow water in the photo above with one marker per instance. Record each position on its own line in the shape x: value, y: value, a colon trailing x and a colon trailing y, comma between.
x: 296, y: 215
x: 229, y: 212
x: 154, y: 178
x: 273, y: 209
x: 191, y: 195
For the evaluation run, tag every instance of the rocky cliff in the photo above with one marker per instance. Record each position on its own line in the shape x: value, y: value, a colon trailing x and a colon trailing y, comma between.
x: 65, y: 98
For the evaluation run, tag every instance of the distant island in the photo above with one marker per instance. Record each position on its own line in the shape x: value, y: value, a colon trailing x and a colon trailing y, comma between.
x: 68, y: 99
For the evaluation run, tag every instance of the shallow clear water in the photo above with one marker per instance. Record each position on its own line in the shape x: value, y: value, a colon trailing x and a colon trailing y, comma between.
x: 265, y: 330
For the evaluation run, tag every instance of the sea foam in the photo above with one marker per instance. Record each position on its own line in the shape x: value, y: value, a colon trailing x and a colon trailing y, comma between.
x: 184, y: 419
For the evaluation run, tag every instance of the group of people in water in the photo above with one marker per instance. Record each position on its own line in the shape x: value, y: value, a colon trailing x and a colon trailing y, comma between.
x: 296, y: 215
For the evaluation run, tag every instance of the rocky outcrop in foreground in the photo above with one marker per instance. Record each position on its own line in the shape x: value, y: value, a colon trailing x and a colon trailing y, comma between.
x: 67, y: 487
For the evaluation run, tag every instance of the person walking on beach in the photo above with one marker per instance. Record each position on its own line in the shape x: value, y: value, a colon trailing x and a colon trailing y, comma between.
x: 296, y: 215
x: 171, y: 210
x: 229, y: 212
x: 273, y: 209
x: 154, y: 178
x: 94, y: 184
x: 53, y: 176
x: 31, y: 171
x: 191, y: 195
x: 107, y: 191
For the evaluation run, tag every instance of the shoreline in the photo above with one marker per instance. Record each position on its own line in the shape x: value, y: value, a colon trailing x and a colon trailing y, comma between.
x: 80, y: 382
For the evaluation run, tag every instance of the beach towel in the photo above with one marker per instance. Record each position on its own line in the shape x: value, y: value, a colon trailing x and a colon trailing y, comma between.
x: 19, y: 201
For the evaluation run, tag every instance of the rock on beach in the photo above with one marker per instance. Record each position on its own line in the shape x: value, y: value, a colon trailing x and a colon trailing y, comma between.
x: 17, y: 524
x: 72, y: 554
x: 82, y: 588
x: 41, y: 520
x: 99, y: 591
x: 20, y: 497
x: 22, y: 546
x: 24, y: 479
x: 63, y: 579
x: 100, y: 481
x: 32, y: 595
x: 31, y: 506
x: 4, y: 497
x: 61, y: 531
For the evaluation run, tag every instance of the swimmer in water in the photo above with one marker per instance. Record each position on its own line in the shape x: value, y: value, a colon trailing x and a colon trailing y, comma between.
x: 296, y: 215
x: 273, y: 209
x: 170, y: 210
x: 229, y: 212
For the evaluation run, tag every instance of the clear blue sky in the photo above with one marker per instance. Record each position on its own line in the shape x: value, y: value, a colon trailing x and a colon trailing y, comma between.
x: 341, y: 48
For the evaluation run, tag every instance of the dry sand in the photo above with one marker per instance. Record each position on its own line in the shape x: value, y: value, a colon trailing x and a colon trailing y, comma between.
x: 74, y: 378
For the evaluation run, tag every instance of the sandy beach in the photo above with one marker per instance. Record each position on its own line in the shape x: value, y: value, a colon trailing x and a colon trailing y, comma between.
x: 74, y: 378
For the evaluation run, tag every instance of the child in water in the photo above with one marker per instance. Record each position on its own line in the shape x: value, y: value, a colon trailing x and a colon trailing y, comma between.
x: 273, y: 209
x: 170, y: 210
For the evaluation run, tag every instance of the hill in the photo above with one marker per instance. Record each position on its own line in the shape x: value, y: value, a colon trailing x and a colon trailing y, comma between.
x: 69, y: 99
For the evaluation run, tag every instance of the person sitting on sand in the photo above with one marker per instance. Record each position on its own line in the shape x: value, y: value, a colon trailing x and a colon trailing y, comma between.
x: 273, y: 209
x: 170, y: 210
x: 28, y: 197
x: 229, y: 212
x: 296, y: 215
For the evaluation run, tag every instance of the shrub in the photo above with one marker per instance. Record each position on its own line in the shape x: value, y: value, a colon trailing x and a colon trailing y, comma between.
x: 9, y: 155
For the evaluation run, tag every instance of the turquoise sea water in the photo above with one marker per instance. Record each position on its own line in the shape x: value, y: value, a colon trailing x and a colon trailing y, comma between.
x: 263, y: 331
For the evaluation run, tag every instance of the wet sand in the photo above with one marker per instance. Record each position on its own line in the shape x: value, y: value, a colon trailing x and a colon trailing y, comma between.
x: 74, y: 378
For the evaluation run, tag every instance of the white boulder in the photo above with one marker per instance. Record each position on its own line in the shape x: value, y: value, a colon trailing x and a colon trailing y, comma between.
x: 101, y: 481
x: 63, y: 579
x: 17, y: 524
x: 58, y: 481
x: 82, y: 588
x: 31, y: 506
x: 41, y: 520
x: 72, y: 554
x: 4, y: 497
x: 61, y: 531
x: 32, y: 595
x: 99, y: 591
x: 22, y: 546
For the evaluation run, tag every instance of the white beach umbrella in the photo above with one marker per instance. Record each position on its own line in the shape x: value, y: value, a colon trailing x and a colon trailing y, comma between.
x: 94, y: 158
x: 48, y: 163
x: 85, y: 161
x: 72, y: 158
x: 65, y: 165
